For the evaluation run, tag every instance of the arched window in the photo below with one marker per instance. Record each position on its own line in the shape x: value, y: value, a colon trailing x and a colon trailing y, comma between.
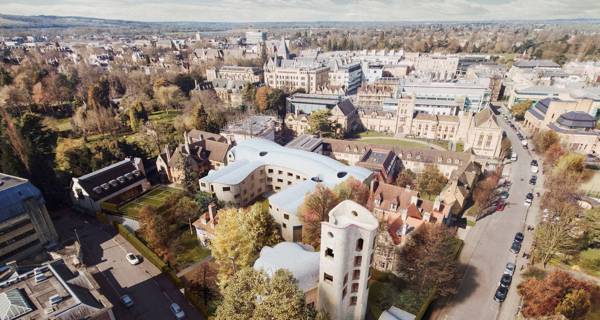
x: 359, y: 244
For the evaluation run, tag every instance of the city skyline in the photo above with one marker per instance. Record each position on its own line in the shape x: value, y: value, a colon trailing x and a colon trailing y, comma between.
x: 310, y: 10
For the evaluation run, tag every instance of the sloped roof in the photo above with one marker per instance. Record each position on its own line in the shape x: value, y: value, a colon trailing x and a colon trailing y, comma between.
x: 300, y: 261
x: 97, y: 183
x: 347, y: 107
x: 483, y: 116
x: 204, y: 135
x: 217, y: 150
x: 13, y: 305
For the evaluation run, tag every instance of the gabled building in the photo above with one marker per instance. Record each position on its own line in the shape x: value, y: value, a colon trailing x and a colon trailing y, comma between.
x: 201, y: 151
x: 115, y: 184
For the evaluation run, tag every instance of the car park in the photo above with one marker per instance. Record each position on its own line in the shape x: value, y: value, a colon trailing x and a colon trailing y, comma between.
x: 127, y: 301
x: 132, y: 258
x: 177, y: 311
x: 500, y: 294
x: 510, y: 268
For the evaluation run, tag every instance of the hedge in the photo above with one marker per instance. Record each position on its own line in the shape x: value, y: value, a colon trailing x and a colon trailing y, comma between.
x: 141, y: 247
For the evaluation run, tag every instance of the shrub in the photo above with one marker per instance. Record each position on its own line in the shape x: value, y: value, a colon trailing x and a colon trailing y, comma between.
x: 590, y: 259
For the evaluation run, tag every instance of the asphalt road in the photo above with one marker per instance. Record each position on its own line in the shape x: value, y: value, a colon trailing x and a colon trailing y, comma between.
x: 104, y: 254
x: 486, y: 249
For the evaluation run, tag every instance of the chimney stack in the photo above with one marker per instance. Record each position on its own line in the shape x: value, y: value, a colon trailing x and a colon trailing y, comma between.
x: 211, y: 212
x: 437, y: 204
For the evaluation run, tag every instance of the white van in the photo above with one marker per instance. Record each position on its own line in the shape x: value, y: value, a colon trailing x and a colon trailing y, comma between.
x: 514, y: 156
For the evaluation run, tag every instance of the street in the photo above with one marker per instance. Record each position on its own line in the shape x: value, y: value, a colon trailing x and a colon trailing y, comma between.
x: 104, y: 255
x: 486, y: 250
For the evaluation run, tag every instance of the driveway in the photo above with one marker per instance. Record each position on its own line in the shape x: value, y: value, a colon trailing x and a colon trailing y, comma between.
x: 104, y: 254
x: 486, y: 249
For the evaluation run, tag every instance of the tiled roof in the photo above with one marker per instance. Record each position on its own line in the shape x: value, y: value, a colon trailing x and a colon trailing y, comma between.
x: 111, y: 179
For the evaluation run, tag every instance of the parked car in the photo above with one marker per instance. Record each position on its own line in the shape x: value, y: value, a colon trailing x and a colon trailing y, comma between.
x: 505, y: 280
x: 519, y: 236
x: 127, y: 301
x: 504, y: 195
x: 527, y: 202
x: 501, y: 293
x: 533, y: 180
x: 177, y: 311
x: 132, y: 258
x: 510, y: 268
x: 516, y: 247
x: 514, y: 156
x: 500, y: 205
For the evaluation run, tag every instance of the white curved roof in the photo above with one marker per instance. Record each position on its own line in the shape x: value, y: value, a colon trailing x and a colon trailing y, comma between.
x: 348, y: 213
x: 302, y: 263
x: 251, y: 154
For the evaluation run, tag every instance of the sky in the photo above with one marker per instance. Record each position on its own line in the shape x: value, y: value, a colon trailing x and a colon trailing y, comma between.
x: 307, y: 10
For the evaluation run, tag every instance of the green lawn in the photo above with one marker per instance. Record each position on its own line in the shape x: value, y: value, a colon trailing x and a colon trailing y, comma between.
x: 373, y: 134
x: 164, y: 116
x: 60, y: 125
x: 188, y: 250
x: 390, y: 291
x: 153, y: 198
x: 396, y: 142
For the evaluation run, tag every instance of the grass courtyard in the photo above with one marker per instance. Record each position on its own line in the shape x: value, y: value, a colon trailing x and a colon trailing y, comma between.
x: 154, y: 198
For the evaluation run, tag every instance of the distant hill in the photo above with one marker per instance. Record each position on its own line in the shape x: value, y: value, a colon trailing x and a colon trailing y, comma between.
x: 14, y: 21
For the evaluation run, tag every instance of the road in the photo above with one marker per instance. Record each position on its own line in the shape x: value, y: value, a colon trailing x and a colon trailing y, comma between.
x: 486, y: 249
x: 104, y: 254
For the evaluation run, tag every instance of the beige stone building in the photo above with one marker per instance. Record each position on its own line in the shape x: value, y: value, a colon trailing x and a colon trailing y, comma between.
x: 235, y: 73
x: 292, y: 75
x: 572, y: 120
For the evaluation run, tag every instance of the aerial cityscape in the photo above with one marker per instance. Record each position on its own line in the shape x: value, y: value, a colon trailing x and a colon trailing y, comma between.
x: 300, y: 160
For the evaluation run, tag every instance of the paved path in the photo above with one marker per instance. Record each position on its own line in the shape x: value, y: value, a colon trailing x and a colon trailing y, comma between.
x: 486, y: 250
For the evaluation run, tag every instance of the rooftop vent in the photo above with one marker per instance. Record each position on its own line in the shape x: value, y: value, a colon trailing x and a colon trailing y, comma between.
x: 113, y: 183
x: 129, y: 176
x: 98, y: 190
x: 105, y: 186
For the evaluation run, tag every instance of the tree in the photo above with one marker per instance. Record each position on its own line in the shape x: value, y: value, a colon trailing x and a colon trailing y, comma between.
x: 313, y: 211
x: 253, y: 295
x: 262, y: 98
x: 556, y: 236
x: 575, y: 305
x: 570, y: 164
x: 169, y: 97
x: 319, y: 122
x: 352, y: 189
x: 592, y: 217
x: 431, y: 181
x: 542, y: 140
x: 428, y: 259
x: 249, y: 93
x: 276, y: 101
x: 518, y: 109
x: 542, y: 297
x: 155, y: 229
x: 240, y: 235
x: 406, y: 178
x: 185, y: 83
x: 201, y: 118
x: 553, y: 153
x: 484, y: 190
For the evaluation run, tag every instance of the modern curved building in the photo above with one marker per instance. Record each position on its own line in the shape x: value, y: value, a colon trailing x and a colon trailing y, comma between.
x: 260, y: 167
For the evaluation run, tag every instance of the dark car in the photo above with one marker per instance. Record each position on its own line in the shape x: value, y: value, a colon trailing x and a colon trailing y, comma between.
x: 505, y: 280
x: 519, y: 237
x: 516, y: 247
x: 534, y: 162
x: 529, y: 196
x: 533, y: 180
x: 501, y: 293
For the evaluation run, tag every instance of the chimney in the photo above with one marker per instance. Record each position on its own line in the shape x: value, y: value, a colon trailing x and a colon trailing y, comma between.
x: 437, y: 204
x: 426, y: 216
x: 211, y: 212
x: 374, y: 185
x: 168, y: 153
x: 404, y: 222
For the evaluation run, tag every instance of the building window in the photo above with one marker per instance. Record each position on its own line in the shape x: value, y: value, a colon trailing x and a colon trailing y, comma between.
x: 344, y: 292
x: 284, y: 225
x: 357, y: 261
x: 353, y: 301
x: 328, y: 278
x: 346, y: 278
x: 359, y: 244
x: 329, y: 252
x: 270, y: 171
x: 290, y: 174
x: 354, y: 288
x: 280, y: 172
x: 286, y: 216
x: 226, y: 189
x: 279, y: 180
x: 356, y: 274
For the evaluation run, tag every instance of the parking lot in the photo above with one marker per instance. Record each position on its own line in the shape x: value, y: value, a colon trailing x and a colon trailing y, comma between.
x: 104, y: 255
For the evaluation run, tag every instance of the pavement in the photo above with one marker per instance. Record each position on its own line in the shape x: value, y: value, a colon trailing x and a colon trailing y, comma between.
x: 486, y: 250
x: 104, y: 255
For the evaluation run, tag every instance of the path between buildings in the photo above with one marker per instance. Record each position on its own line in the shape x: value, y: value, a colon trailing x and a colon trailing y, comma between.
x: 193, y: 266
x: 425, y: 143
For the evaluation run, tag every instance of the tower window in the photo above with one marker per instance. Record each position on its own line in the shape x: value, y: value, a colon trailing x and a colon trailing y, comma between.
x: 329, y: 252
x: 359, y: 244
x: 357, y: 261
x: 327, y: 277
x: 353, y: 301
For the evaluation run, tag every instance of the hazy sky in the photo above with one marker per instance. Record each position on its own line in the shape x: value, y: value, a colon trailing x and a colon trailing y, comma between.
x: 307, y: 10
